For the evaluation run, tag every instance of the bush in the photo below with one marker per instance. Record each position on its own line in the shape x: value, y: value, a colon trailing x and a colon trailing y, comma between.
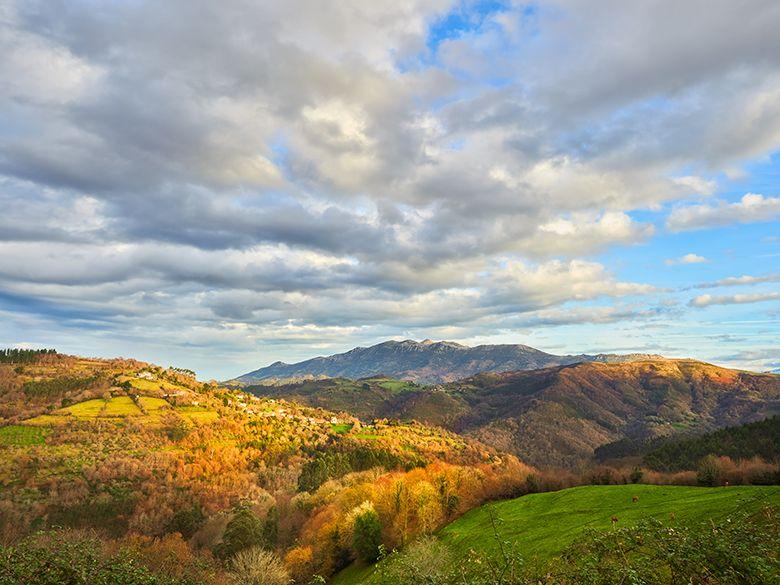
x: 367, y: 533
x: 74, y: 557
x: 424, y: 561
x: 255, y: 566
x: 708, y: 473
x: 741, y: 549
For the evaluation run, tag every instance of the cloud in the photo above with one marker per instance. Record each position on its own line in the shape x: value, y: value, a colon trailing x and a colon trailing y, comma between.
x: 737, y: 299
x: 751, y: 208
x: 690, y: 258
x: 260, y: 172
x: 740, y: 280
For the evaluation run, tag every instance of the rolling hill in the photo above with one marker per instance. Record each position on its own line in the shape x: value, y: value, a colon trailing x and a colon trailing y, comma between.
x: 558, y: 416
x: 426, y: 362
x: 539, y: 527
x: 121, y: 445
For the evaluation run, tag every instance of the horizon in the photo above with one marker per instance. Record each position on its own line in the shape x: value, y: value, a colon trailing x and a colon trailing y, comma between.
x: 239, y: 185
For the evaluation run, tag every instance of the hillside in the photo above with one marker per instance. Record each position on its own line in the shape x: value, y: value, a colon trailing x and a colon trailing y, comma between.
x: 425, y: 362
x: 134, y: 450
x: 758, y: 439
x: 539, y: 527
x: 558, y: 416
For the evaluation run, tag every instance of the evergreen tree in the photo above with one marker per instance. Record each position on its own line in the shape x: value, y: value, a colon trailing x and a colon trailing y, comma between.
x: 367, y: 535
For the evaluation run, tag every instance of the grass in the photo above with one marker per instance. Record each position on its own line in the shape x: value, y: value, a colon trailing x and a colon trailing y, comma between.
x: 397, y: 385
x: 22, y: 436
x: 117, y: 406
x: 152, y: 405
x: 121, y: 406
x: 341, y: 428
x: 541, y: 525
x: 87, y: 409
x: 198, y: 414
x: 147, y: 385
x: 46, y: 420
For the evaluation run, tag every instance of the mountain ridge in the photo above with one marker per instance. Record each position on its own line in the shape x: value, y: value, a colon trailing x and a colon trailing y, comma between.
x: 426, y: 361
x: 559, y: 415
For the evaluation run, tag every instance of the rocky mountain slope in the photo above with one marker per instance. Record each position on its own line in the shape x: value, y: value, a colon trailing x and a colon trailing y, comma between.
x: 558, y: 416
x: 426, y: 361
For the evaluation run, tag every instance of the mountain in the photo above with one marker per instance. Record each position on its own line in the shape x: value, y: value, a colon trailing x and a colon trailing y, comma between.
x: 558, y: 416
x: 426, y: 361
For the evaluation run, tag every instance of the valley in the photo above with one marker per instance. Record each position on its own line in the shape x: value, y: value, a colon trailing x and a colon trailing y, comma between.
x: 330, y: 475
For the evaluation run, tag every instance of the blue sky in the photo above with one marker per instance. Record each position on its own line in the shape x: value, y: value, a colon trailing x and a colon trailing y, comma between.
x: 241, y: 184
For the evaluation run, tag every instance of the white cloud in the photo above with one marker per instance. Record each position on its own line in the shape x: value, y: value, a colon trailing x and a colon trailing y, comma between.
x: 696, y: 185
x: 741, y: 280
x: 737, y: 299
x: 751, y: 208
x: 690, y: 258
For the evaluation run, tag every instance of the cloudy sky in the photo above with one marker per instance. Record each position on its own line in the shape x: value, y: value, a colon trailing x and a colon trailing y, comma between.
x: 218, y: 185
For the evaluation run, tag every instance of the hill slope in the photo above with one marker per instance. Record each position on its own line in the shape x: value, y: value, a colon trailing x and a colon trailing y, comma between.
x: 558, y: 416
x: 123, y: 445
x: 758, y: 439
x: 426, y: 361
x: 541, y: 526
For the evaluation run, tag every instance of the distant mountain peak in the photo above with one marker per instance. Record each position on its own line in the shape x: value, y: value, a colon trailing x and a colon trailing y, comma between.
x: 425, y: 361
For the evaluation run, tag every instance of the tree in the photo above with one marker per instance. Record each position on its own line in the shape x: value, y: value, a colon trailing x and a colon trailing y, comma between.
x: 367, y: 533
x: 636, y: 475
x: 255, y: 566
x: 708, y: 473
x: 245, y: 530
x: 187, y: 521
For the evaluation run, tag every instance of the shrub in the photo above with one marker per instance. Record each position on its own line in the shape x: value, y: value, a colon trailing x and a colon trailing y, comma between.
x: 424, y: 561
x: 74, y: 557
x: 708, y: 473
x: 255, y: 566
x: 740, y: 549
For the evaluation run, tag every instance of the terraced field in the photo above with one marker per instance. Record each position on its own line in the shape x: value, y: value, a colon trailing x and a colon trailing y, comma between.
x: 149, y: 408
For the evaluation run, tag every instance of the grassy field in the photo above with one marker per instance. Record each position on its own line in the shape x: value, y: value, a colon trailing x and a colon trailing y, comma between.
x: 198, y: 414
x: 542, y: 525
x: 341, y: 428
x: 22, y: 436
x: 121, y: 406
x: 151, y: 404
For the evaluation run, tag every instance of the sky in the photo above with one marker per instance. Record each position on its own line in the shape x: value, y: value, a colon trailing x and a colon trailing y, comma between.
x: 218, y: 186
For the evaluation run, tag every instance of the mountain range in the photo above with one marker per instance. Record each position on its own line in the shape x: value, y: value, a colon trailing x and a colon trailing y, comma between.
x: 558, y: 416
x: 426, y: 362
